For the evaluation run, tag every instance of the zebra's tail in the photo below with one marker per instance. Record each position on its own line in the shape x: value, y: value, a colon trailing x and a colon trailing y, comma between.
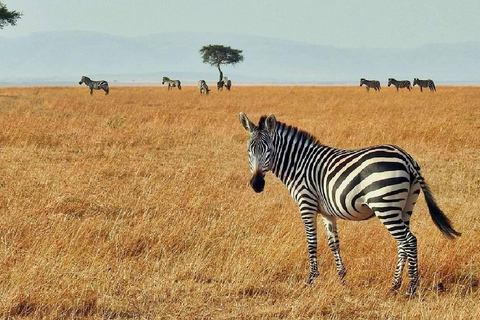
x: 439, y: 218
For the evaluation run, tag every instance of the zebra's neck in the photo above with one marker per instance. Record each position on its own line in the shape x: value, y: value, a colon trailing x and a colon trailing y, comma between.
x: 293, y: 149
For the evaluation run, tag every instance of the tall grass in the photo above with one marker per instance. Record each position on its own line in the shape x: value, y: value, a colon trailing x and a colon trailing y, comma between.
x: 137, y: 205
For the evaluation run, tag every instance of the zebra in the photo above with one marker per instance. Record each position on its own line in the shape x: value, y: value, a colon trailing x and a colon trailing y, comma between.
x: 400, y: 84
x: 203, y: 87
x: 375, y: 84
x: 425, y: 84
x: 220, y: 85
x: 382, y: 181
x: 227, y: 82
x: 172, y: 83
x: 97, y: 85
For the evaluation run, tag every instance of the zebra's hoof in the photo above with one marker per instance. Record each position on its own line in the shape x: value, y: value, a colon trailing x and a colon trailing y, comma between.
x: 395, y: 286
x: 412, y: 288
x: 311, y: 277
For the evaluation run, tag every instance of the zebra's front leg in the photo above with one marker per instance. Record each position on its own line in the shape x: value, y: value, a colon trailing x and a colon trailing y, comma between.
x: 309, y: 218
x: 91, y: 91
x: 334, y: 244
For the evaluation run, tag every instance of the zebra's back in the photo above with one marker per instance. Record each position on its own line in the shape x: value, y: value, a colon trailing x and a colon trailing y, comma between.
x: 350, y: 181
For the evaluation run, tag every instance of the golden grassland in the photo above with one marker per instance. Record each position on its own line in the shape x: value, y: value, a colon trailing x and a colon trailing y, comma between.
x: 137, y: 205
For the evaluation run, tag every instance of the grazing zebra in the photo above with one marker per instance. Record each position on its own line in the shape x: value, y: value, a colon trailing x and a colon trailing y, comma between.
x: 375, y: 84
x: 220, y: 85
x: 425, y: 84
x: 172, y: 83
x: 400, y: 84
x: 97, y: 85
x: 227, y: 82
x: 203, y: 87
x: 382, y: 181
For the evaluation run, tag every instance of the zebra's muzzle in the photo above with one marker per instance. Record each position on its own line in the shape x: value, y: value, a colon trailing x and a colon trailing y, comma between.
x: 257, y: 182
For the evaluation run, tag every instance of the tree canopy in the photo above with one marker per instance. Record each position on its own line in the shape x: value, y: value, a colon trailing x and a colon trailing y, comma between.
x: 216, y: 55
x: 8, y: 17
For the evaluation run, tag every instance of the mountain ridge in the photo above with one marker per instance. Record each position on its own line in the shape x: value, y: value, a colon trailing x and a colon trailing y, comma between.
x: 64, y: 56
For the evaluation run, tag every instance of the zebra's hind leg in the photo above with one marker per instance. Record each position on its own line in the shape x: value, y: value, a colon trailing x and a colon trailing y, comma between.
x: 330, y: 224
x: 397, y: 278
x: 411, y: 251
x: 407, y: 248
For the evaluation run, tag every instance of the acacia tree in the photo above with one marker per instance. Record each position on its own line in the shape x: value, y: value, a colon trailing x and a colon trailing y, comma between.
x: 8, y: 17
x: 216, y: 55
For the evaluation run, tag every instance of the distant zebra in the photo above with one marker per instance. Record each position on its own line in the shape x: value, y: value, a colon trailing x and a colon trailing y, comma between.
x: 400, y: 84
x: 203, y: 87
x: 382, y: 181
x: 220, y: 85
x: 375, y: 84
x: 172, y: 83
x: 425, y: 84
x: 97, y: 85
x: 227, y: 82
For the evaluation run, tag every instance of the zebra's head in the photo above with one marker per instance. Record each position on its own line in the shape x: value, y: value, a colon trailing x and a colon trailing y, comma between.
x: 390, y: 81
x: 260, y: 148
x: 83, y: 79
x: 362, y: 81
x: 415, y: 81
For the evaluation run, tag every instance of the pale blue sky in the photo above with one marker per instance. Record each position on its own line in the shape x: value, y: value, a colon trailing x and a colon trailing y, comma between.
x: 350, y: 24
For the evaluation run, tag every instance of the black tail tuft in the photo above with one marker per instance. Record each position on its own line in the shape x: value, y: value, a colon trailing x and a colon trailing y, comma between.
x: 438, y: 217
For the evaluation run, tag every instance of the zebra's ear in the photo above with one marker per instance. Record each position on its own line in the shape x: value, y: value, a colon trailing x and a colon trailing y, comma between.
x: 270, y: 124
x: 246, y: 123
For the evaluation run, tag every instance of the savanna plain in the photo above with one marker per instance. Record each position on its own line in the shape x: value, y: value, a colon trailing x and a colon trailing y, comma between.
x: 137, y: 205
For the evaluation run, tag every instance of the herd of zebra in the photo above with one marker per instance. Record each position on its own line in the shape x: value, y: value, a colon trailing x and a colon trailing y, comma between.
x: 227, y: 83
x: 375, y: 84
x: 202, y: 84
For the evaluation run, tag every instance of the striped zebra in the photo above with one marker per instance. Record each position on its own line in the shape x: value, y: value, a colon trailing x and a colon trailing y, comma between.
x: 203, y: 87
x: 227, y: 82
x: 400, y: 84
x: 425, y: 84
x: 382, y: 181
x: 97, y: 85
x: 172, y: 83
x: 375, y: 84
x: 220, y: 85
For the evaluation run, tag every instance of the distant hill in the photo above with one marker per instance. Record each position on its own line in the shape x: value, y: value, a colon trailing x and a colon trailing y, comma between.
x: 63, y: 57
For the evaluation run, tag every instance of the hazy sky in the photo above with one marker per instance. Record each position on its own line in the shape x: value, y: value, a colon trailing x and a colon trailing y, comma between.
x: 368, y: 23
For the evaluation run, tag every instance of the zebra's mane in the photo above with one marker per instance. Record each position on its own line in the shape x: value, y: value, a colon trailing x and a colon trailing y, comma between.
x: 285, y: 127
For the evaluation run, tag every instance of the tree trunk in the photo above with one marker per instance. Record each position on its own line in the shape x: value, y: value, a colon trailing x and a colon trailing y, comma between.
x: 221, y: 73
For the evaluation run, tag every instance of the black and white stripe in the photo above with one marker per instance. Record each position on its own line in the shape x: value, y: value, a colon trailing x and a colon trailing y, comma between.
x: 172, y: 83
x: 382, y: 181
x: 203, y: 87
x: 425, y: 84
x: 95, y: 85
x: 375, y: 84
x: 400, y: 84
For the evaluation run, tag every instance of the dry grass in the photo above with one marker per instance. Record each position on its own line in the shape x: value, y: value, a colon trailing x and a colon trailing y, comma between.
x: 137, y: 205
